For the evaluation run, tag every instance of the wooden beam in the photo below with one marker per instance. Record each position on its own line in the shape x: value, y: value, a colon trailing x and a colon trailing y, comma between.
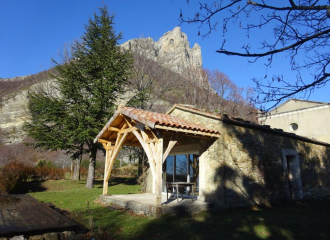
x: 151, y: 140
x: 174, y: 139
x: 114, y: 154
x: 146, y: 150
x: 107, y: 146
x: 113, y: 129
x: 124, y: 126
x: 171, y: 144
x: 104, y: 146
x: 133, y: 144
x: 126, y: 130
x: 103, y: 141
x: 127, y: 122
x: 153, y: 134
x: 106, y: 163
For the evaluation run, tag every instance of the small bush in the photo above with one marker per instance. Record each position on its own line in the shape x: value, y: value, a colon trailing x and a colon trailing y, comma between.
x: 124, y: 171
x: 44, y: 163
x: 9, y: 180
x: 117, y: 164
x: 99, y: 169
x: 14, y: 173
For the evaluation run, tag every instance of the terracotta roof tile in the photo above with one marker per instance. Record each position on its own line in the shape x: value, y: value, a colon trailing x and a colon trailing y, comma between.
x: 152, y: 119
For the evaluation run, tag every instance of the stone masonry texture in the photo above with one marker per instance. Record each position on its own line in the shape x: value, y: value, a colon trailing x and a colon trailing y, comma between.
x: 244, y: 166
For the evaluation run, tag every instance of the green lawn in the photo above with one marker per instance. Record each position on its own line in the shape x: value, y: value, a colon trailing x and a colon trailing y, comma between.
x: 300, y: 220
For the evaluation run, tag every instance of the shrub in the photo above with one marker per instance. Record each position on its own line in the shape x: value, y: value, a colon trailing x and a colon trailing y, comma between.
x: 9, y: 180
x: 14, y: 173
x: 44, y: 163
x: 124, y: 171
x: 117, y: 164
x: 99, y: 169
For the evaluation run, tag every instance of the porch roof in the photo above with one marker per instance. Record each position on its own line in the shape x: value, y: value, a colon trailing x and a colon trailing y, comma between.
x: 152, y: 120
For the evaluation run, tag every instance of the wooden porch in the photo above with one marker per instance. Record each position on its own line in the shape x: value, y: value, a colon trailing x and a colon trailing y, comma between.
x: 156, y: 133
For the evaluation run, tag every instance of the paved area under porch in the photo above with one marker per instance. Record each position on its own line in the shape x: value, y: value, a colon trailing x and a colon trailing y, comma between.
x: 146, y: 204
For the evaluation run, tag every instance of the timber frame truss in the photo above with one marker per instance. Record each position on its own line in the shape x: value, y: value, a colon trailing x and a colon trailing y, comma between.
x: 123, y: 130
x: 150, y: 140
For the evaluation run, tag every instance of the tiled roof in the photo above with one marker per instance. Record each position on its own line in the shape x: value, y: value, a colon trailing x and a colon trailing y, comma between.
x: 152, y: 119
x: 241, y: 122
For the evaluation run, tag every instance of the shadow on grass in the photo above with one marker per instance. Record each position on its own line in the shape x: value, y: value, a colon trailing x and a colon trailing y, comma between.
x: 122, y: 180
x: 294, y: 220
x: 115, y: 181
x: 28, y: 187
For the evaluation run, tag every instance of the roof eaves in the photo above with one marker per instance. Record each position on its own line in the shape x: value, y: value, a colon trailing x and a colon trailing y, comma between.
x: 194, y: 110
x: 129, y: 113
x: 106, y: 126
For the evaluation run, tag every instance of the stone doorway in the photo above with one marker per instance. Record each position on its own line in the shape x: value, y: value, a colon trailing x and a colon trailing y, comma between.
x: 291, y: 164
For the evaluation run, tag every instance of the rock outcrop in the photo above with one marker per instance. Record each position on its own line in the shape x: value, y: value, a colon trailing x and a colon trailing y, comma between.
x: 171, y: 50
x: 13, y: 114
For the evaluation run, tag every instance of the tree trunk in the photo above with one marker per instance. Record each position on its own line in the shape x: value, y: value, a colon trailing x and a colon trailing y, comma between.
x: 91, y: 169
x: 140, y: 165
x: 76, y: 173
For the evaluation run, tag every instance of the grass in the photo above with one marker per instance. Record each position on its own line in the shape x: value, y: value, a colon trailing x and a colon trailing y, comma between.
x: 296, y: 220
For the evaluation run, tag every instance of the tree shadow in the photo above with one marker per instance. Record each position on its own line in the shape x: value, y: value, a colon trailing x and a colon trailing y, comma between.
x: 248, y: 169
x: 256, y: 154
x: 122, y: 180
x: 28, y: 187
x: 288, y: 221
x: 233, y: 220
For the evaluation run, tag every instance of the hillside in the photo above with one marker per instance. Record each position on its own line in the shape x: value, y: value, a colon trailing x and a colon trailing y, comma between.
x: 173, y: 45
x: 164, y: 72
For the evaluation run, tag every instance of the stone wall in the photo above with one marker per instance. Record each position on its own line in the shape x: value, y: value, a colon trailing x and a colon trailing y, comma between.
x: 245, y: 165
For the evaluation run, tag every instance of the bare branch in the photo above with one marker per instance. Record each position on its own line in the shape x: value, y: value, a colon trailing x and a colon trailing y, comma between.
x: 292, y: 46
x: 300, y: 28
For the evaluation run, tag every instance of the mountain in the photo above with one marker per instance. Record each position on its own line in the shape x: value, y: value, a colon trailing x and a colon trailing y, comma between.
x: 172, y: 51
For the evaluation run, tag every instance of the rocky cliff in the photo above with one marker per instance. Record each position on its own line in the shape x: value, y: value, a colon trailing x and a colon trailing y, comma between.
x: 171, y: 50
x: 13, y: 113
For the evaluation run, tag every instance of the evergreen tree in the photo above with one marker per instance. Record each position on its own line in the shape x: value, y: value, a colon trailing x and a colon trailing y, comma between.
x: 88, y: 84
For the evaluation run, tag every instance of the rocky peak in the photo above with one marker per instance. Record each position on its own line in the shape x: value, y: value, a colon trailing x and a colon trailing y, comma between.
x: 172, y: 50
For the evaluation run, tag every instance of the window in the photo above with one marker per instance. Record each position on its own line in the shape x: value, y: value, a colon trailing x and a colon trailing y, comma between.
x: 293, y: 126
x: 182, y: 168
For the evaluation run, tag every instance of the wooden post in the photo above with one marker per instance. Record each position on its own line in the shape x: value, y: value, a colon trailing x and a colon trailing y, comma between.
x: 159, y: 163
x: 105, y: 182
x: 111, y: 154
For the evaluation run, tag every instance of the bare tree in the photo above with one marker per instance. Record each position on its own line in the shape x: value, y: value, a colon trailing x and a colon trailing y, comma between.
x: 150, y: 81
x: 224, y: 87
x: 229, y: 97
x: 301, y: 31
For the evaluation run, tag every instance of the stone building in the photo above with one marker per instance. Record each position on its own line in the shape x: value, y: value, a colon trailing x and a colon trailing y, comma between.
x: 305, y: 118
x: 230, y: 161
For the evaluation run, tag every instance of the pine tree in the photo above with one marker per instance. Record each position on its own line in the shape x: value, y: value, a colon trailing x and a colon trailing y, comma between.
x: 89, y: 83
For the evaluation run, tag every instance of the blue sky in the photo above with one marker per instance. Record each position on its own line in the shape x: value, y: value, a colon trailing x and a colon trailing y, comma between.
x: 34, y: 31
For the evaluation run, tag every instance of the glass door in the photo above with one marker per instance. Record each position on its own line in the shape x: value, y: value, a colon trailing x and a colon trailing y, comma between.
x: 182, y: 168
